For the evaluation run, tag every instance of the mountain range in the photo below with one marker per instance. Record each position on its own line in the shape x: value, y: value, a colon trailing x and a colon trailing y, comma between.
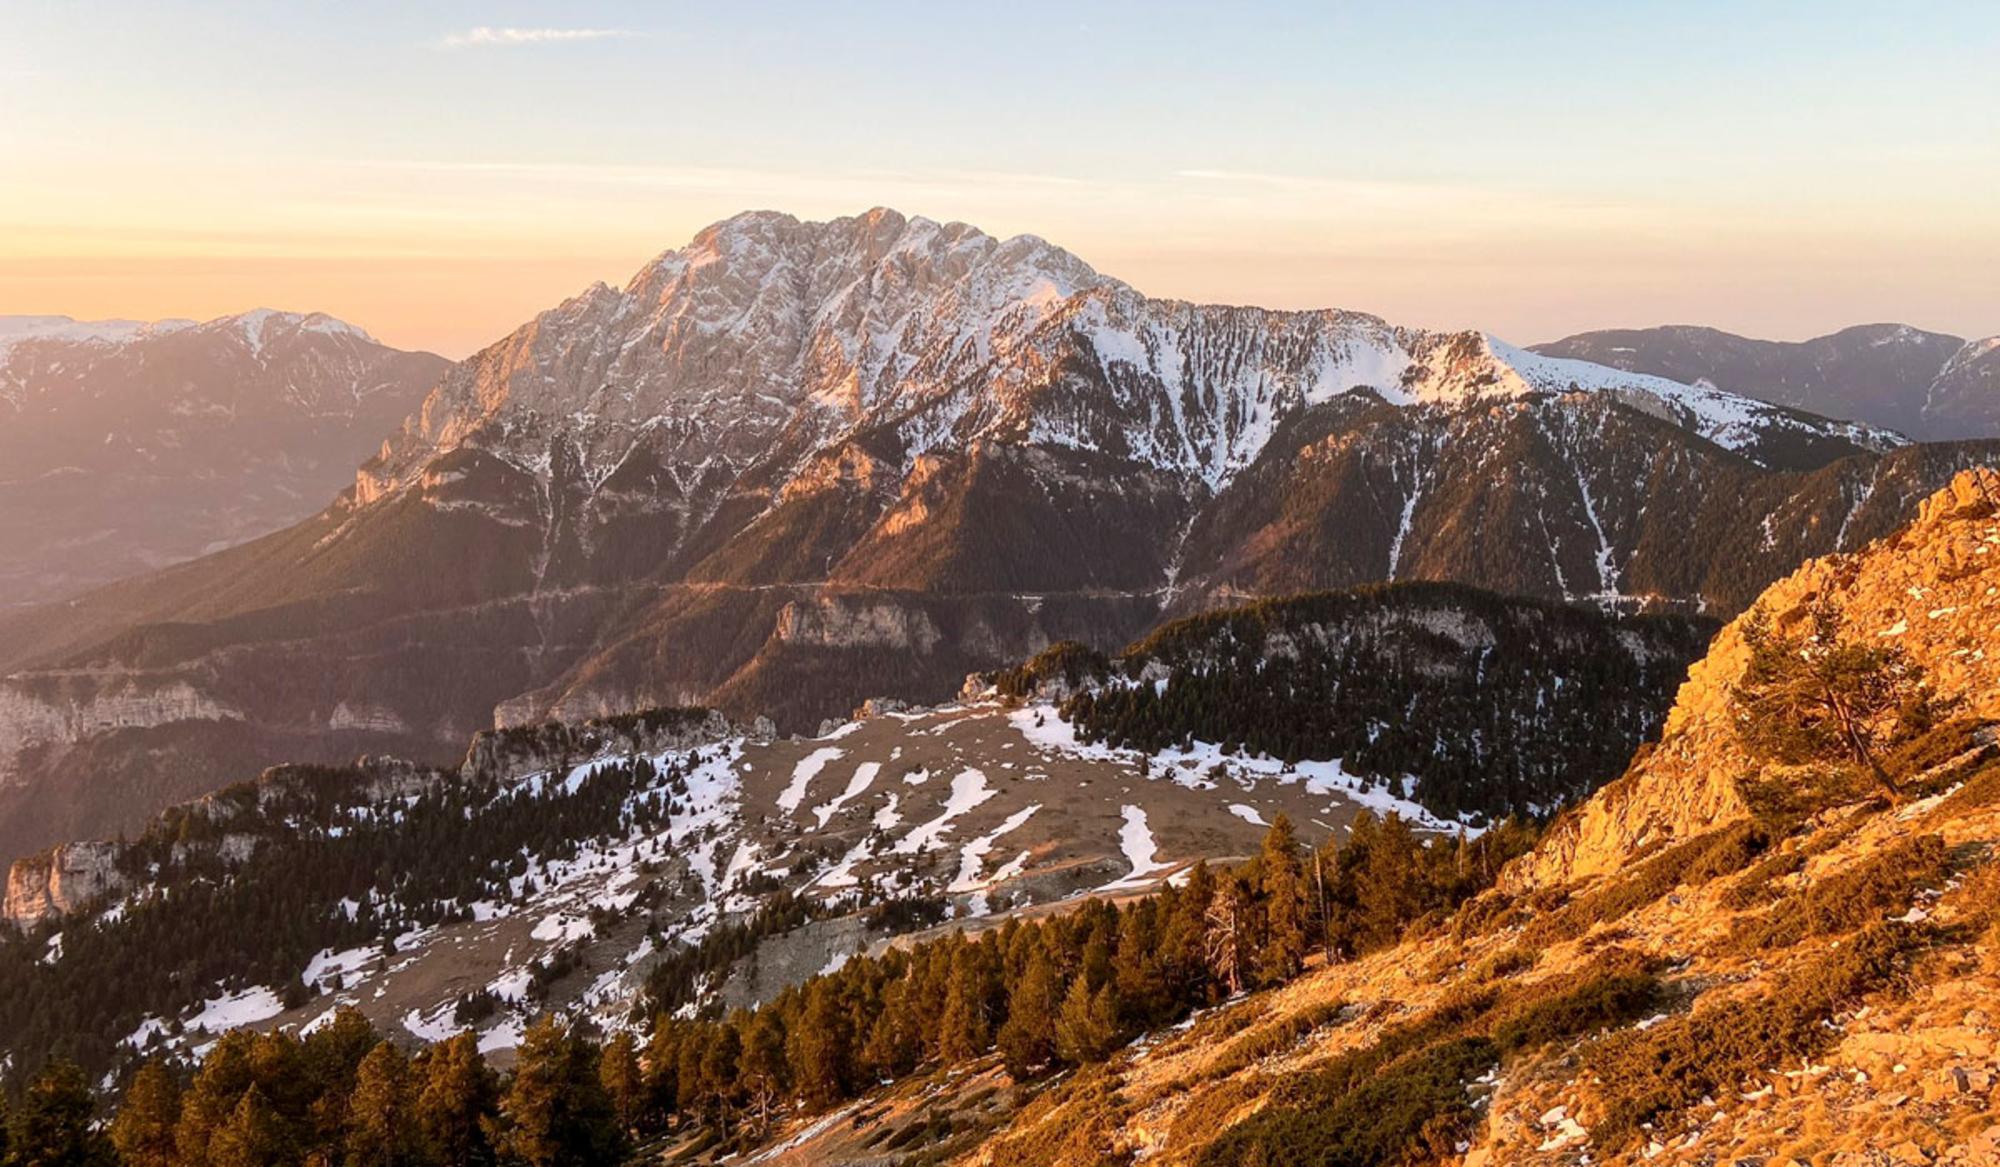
x: 1928, y: 385
x: 794, y: 465
x: 127, y: 446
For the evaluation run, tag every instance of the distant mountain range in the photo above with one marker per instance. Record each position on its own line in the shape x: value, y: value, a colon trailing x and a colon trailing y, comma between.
x: 794, y: 465
x: 127, y: 446
x: 1927, y: 385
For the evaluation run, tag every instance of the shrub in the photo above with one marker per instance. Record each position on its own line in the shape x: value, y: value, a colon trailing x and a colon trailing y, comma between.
x: 1416, y: 1109
x: 1271, y: 1037
x: 1650, y: 1074
x: 1700, y: 859
x: 1600, y: 1001
x: 1850, y: 899
x: 1758, y: 885
x: 1980, y: 790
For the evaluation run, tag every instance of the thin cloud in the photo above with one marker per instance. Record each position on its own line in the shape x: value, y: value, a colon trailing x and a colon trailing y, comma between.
x: 486, y: 35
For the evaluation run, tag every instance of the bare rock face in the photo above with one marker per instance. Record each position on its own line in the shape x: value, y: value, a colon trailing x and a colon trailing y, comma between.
x: 511, y: 752
x: 62, y: 880
x: 59, y: 711
x: 1932, y: 589
x: 841, y: 622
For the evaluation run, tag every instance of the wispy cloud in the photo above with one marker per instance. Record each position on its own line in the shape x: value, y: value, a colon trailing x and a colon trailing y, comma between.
x: 486, y: 35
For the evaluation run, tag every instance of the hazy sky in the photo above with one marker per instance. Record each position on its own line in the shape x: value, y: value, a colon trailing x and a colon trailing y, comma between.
x: 439, y: 172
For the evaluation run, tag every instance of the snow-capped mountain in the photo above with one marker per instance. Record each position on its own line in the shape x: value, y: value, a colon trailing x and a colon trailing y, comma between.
x: 794, y: 465
x: 765, y: 326
x: 127, y: 445
x: 1925, y: 384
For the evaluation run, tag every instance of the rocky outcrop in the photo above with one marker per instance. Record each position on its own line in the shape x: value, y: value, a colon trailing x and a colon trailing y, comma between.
x: 1932, y: 589
x: 62, y: 880
x: 57, y: 710
x: 509, y: 753
x: 841, y: 622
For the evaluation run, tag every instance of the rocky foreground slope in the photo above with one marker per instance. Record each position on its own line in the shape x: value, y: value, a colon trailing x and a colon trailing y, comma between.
x: 793, y: 465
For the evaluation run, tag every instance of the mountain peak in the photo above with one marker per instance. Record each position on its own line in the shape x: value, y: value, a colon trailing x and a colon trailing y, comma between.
x: 259, y: 325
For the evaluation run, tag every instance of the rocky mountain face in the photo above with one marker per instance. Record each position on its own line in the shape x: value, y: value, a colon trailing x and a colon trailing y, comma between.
x: 1928, y: 385
x: 1927, y: 590
x: 125, y: 447
x: 795, y: 465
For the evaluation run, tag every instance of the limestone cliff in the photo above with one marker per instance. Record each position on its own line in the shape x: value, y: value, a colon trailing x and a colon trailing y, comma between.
x: 61, y: 880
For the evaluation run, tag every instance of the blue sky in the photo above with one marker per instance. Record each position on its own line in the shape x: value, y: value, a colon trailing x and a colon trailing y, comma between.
x: 1533, y: 169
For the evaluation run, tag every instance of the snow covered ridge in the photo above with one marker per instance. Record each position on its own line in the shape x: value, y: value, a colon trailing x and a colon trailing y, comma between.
x: 766, y: 326
x: 255, y: 327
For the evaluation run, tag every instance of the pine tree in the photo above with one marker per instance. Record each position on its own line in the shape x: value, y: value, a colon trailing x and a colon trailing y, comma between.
x: 1814, y: 697
x: 1139, y: 967
x: 380, y: 1128
x: 895, y: 1045
x: 209, y: 1103
x: 1087, y: 1024
x: 51, y: 1124
x: 662, y: 1062
x: 1284, y: 904
x: 1227, y: 934
x: 143, y: 1130
x: 721, y: 1059
x: 822, y: 1046
x: 556, y: 1111
x: 763, y: 1071
x: 623, y: 1079
x: 457, y: 1102
x: 253, y: 1136
x: 963, y: 1029
x: 1027, y: 1039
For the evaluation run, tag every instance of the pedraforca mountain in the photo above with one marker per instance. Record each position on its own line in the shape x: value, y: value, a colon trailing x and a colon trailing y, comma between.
x: 795, y: 465
x: 1932, y: 589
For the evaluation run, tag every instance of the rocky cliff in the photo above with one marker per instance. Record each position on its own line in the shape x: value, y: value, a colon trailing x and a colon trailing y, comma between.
x: 1932, y: 589
x: 61, y: 880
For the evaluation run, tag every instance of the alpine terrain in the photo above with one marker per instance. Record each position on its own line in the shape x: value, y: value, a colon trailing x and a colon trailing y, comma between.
x: 125, y: 446
x: 1772, y: 938
x: 795, y: 465
x: 1924, y: 384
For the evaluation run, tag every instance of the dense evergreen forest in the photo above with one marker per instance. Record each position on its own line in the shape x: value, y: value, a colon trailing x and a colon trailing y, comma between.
x: 1478, y: 705
x: 1046, y: 995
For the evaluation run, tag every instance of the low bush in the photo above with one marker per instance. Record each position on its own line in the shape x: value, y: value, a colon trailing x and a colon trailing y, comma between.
x: 1981, y: 789
x: 1759, y: 884
x: 1271, y: 1037
x: 1849, y: 899
x: 1648, y: 1075
x: 1405, y: 1098
x: 1700, y: 859
x: 1597, y: 1003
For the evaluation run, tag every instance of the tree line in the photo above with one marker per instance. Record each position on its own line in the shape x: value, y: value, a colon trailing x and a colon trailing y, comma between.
x: 1487, y: 705
x: 1044, y: 995
x: 333, y: 865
